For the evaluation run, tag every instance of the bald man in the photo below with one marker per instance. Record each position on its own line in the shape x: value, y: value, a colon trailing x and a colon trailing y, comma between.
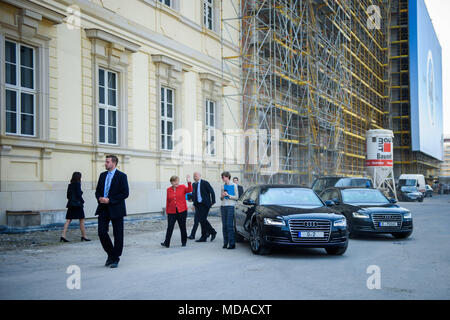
x: 203, y: 197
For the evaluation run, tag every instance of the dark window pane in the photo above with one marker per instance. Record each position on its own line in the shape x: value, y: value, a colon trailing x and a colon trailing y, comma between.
x: 162, y: 94
x: 27, y: 103
x: 111, y: 80
x: 112, y: 118
x: 211, y: 120
x: 169, y: 143
x: 27, y: 124
x: 169, y: 96
x: 10, y: 76
x: 102, y: 116
x: 101, y: 95
x: 169, y: 128
x: 26, y: 57
x: 163, y: 141
x: 11, y: 124
x: 163, y: 128
x: 102, y: 134
x: 112, y: 135
x: 26, y: 78
x: 10, y: 52
x: 111, y: 97
x: 101, y: 77
x: 11, y: 100
x: 169, y: 111
x: 162, y: 109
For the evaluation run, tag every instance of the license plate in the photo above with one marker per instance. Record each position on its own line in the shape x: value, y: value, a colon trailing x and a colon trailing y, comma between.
x: 387, y: 224
x: 311, y: 234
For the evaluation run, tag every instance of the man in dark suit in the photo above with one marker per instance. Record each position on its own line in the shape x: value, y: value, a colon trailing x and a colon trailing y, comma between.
x: 204, y: 198
x: 240, y: 188
x: 111, y: 192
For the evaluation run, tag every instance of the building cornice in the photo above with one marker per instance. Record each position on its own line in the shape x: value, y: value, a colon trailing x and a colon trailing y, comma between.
x: 108, y: 37
x: 38, y: 9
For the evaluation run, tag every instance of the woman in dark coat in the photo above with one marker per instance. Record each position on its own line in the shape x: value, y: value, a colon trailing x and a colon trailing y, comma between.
x: 74, y: 206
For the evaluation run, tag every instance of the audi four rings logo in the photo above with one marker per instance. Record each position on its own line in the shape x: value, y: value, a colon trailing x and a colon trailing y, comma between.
x: 388, y: 217
x: 311, y: 224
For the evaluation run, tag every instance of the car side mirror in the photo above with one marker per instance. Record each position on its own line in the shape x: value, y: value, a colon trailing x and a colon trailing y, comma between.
x: 336, y: 201
x: 249, y: 202
x: 392, y: 200
x: 329, y: 203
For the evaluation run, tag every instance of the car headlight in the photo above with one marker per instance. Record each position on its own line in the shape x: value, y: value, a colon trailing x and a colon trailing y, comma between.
x: 360, y: 215
x: 340, y: 223
x: 274, y: 222
x: 407, y: 215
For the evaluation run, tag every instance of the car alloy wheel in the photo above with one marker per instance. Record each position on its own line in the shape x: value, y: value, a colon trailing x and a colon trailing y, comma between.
x: 255, y: 238
x: 257, y: 242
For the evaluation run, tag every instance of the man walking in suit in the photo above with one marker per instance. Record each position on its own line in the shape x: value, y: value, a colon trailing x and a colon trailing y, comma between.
x: 240, y: 188
x: 111, y: 192
x: 204, y: 198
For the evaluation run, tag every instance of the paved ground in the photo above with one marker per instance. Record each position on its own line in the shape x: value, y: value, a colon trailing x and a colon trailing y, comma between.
x: 416, y: 268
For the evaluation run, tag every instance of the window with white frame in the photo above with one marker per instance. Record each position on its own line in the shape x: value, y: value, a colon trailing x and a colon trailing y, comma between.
x: 20, y: 89
x: 166, y: 2
x: 210, y: 124
x: 108, y: 108
x: 167, y: 118
x: 208, y: 14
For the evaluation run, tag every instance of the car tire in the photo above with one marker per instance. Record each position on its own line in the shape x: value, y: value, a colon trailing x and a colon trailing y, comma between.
x: 336, y: 251
x: 401, y: 235
x: 351, y: 234
x: 256, y: 241
x: 421, y: 200
x: 237, y: 236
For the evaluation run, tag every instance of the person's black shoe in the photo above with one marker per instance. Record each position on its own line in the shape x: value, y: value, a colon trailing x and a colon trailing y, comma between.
x: 191, y: 237
x: 114, y: 264
x: 85, y: 239
x: 62, y: 239
x: 232, y: 247
x: 183, y: 244
x: 201, y: 240
x: 164, y: 245
x: 213, y: 236
x: 224, y: 246
x: 108, y: 262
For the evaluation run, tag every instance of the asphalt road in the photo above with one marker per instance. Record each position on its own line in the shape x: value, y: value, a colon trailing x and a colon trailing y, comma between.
x: 415, y: 268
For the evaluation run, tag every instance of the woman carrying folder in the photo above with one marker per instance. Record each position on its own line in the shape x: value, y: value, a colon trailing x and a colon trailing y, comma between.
x: 229, y: 196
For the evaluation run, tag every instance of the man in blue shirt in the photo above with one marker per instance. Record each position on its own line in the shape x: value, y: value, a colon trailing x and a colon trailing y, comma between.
x: 111, y: 192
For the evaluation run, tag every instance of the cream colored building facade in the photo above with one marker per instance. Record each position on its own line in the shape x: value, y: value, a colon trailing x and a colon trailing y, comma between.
x: 141, y: 79
x: 445, y: 165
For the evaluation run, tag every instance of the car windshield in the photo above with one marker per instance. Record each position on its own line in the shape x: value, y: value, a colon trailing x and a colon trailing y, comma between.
x: 371, y: 196
x: 354, y: 182
x: 289, y: 197
x: 409, y: 189
x: 407, y: 182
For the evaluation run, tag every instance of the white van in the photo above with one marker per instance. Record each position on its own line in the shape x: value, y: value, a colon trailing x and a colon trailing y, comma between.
x: 412, y: 180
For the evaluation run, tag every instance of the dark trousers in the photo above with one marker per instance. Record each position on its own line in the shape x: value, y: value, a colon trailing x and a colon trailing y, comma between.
x: 179, y: 217
x: 113, y: 251
x: 196, y: 222
x: 228, y: 224
x: 207, y: 228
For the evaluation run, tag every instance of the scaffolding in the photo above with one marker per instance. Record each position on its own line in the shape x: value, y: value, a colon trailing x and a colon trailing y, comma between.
x: 314, y: 78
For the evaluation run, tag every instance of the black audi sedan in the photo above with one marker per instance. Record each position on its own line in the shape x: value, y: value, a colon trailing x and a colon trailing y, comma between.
x: 410, y: 193
x: 286, y: 215
x: 369, y: 211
